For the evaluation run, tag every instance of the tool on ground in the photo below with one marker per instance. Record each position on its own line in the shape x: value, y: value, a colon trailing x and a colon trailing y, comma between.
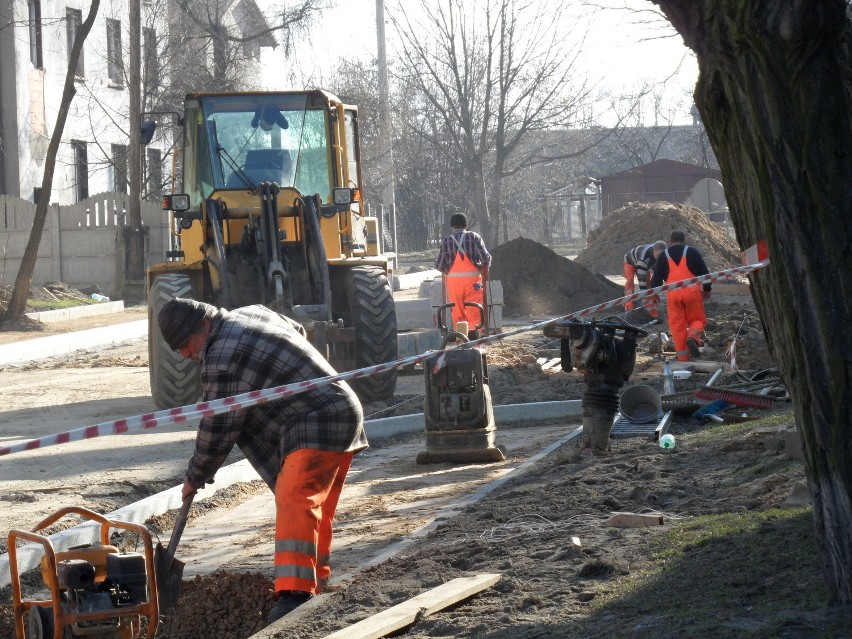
x: 736, y: 397
x: 606, y: 353
x: 457, y: 409
x: 169, y: 571
x: 96, y: 591
x: 668, y: 379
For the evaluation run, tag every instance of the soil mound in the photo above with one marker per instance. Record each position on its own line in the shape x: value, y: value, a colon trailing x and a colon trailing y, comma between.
x: 537, y: 281
x: 644, y: 222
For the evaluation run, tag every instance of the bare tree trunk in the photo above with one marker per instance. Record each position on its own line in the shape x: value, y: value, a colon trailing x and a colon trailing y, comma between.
x: 20, y: 292
x: 775, y: 94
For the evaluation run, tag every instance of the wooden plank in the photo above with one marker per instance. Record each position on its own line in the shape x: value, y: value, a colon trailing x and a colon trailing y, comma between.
x: 423, y: 605
x: 634, y: 520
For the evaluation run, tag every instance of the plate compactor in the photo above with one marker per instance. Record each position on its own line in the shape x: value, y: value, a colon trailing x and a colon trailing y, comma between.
x: 458, y: 412
x: 96, y: 591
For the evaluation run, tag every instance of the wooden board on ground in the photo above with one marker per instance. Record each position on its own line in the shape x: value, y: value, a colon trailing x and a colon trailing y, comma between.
x: 423, y: 605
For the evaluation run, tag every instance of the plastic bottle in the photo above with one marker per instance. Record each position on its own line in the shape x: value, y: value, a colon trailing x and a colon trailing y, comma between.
x: 667, y: 441
x: 668, y: 379
x: 99, y: 298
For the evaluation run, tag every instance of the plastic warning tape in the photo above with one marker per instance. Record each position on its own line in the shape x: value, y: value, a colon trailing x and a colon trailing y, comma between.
x: 253, y: 398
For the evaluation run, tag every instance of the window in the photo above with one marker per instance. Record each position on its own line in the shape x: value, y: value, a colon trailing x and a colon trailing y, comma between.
x: 73, y: 20
x: 154, y: 181
x: 119, y: 168
x: 35, y: 33
x: 149, y: 58
x: 81, y: 169
x: 115, y: 63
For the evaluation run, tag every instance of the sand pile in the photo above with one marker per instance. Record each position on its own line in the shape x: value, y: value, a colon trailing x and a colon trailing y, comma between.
x: 644, y: 222
x: 538, y: 282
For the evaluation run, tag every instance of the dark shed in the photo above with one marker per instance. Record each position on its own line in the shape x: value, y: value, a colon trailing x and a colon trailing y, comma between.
x: 665, y: 180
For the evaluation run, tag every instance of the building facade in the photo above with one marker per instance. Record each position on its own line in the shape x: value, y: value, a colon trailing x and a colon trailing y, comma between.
x: 36, y: 38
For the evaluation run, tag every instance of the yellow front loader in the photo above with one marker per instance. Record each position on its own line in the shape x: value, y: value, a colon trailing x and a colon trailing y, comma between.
x: 271, y: 214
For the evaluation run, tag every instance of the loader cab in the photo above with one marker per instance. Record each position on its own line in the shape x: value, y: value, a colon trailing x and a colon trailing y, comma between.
x: 235, y: 142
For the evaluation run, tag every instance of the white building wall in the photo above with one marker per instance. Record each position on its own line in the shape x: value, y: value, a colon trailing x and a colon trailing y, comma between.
x: 98, y: 113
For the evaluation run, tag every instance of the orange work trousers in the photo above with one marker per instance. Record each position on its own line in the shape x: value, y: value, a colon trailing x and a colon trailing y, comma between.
x: 464, y: 284
x: 686, y: 318
x: 306, y: 494
x: 649, y: 303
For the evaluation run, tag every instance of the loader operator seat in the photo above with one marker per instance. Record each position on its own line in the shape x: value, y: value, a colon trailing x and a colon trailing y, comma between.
x: 264, y: 165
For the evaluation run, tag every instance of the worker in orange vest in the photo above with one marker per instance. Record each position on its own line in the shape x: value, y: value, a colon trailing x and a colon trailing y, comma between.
x: 685, y: 305
x: 638, y: 263
x: 463, y: 259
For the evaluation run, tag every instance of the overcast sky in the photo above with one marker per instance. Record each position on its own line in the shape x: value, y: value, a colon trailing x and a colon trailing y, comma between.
x: 626, y: 46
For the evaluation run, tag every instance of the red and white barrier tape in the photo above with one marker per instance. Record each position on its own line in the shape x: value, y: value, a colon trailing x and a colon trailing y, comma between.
x: 253, y: 398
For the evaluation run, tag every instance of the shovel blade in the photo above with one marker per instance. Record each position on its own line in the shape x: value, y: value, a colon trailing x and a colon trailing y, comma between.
x: 169, y: 575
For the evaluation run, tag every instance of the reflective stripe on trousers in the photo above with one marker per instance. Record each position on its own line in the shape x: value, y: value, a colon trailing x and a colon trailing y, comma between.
x: 306, y: 494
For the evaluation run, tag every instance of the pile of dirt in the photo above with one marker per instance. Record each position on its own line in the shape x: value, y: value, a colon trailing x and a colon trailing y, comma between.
x: 639, y: 223
x: 224, y: 605
x: 538, y: 281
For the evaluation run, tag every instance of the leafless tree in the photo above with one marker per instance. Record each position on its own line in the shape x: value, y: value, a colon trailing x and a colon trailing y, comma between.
x: 492, y: 72
x: 20, y: 292
x: 775, y: 94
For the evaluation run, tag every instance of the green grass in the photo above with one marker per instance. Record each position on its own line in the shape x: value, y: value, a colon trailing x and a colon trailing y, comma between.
x: 45, y: 305
x: 742, y: 574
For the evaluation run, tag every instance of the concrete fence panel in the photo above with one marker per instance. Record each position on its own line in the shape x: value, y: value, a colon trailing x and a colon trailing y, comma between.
x: 82, y: 244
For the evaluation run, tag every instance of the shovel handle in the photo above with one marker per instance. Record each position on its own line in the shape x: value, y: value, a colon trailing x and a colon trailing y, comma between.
x: 180, y: 524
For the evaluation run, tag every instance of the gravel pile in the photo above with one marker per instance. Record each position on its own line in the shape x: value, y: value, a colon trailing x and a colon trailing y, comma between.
x: 645, y: 222
x: 537, y: 281
x: 223, y: 605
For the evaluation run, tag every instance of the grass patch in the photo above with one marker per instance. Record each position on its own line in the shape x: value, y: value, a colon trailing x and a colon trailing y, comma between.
x: 729, y: 575
x: 36, y: 306
x: 721, y: 433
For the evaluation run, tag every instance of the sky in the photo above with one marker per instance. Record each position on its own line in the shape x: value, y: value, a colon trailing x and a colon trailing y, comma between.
x: 627, y: 45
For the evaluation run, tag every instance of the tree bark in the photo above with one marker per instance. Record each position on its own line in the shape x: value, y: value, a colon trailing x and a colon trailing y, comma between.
x: 775, y: 95
x: 20, y: 292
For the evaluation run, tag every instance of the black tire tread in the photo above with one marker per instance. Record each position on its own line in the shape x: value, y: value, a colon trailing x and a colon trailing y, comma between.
x: 175, y: 381
x: 373, y: 316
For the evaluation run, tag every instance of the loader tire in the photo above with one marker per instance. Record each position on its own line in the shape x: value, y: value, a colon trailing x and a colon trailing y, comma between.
x: 373, y: 316
x: 175, y: 381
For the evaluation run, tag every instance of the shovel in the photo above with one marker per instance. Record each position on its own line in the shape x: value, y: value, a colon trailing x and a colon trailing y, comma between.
x: 168, y: 570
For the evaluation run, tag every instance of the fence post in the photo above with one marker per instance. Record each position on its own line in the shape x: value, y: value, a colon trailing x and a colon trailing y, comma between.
x: 56, y: 243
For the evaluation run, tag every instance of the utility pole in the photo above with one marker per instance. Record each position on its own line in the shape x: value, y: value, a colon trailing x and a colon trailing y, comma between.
x: 385, y: 147
x: 134, y: 233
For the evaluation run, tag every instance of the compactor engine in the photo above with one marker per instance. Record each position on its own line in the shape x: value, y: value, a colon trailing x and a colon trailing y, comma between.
x: 271, y: 213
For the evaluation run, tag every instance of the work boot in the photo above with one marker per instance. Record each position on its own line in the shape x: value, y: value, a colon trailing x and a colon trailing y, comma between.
x: 694, y: 349
x: 286, y: 602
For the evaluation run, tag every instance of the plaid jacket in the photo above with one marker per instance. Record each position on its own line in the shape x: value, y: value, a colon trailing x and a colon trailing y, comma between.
x: 472, y: 245
x: 253, y: 348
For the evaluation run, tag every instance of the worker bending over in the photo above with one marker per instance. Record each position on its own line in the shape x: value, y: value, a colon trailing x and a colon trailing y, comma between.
x: 638, y: 263
x: 463, y: 259
x: 300, y: 446
x: 685, y: 305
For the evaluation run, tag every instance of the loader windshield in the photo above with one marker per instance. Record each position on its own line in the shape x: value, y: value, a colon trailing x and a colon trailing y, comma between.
x: 267, y: 138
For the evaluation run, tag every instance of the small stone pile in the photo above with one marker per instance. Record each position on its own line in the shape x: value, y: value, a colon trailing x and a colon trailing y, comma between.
x: 639, y: 223
x: 222, y: 605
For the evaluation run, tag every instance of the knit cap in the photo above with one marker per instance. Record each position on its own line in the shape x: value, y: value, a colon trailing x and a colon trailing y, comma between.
x: 179, y: 318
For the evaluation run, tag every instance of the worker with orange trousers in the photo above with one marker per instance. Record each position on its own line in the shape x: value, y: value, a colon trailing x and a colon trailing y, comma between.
x: 638, y: 264
x: 463, y: 259
x: 685, y: 305
x: 300, y: 446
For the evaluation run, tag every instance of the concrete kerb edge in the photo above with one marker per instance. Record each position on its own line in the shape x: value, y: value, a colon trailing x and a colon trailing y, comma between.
x: 29, y: 555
